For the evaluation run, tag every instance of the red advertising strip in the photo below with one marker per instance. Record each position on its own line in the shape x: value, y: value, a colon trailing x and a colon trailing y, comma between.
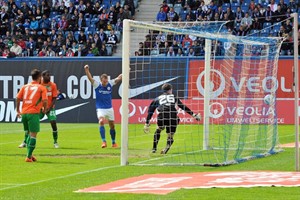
x: 166, y: 183
x: 225, y: 113
x: 255, y: 79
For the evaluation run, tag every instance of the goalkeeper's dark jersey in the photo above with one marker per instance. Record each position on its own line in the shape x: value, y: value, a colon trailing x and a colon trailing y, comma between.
x: 166, y: 106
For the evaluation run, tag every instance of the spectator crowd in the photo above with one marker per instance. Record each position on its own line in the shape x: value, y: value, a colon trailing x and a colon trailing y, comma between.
x: 261, y: 18
x: 64, y: 28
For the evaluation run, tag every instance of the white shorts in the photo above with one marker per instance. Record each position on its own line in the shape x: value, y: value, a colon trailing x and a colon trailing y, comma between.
x: 106, y: 113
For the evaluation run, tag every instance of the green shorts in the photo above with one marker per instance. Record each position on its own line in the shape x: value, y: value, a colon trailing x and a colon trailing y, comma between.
x: 51, y: 115
x: 31, y: 122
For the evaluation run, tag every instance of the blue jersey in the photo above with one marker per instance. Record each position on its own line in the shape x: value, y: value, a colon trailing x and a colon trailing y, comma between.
x: 103, y: 94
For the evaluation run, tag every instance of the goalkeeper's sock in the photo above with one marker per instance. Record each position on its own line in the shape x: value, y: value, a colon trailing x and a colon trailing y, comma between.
x: 26, y: 137
x: 55, y: 136
x: 156, y: 138
x: 169, y: 144
x: 102, y: 133
x: 30, y: 146
x: 113, y: 135
x: 170, y: 141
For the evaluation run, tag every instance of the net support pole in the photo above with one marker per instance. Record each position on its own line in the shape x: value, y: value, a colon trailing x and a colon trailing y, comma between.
x: 206, y: 95
x: 296, y: 82
x: 125, y: 88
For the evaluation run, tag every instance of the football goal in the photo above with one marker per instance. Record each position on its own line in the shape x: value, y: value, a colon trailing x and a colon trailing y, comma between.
x: 231, y: 81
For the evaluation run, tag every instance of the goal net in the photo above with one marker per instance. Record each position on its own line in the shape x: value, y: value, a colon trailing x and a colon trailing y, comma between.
x: 223, y: 77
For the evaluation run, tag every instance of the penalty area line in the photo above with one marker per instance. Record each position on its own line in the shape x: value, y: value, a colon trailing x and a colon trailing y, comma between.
x: 60, y: 177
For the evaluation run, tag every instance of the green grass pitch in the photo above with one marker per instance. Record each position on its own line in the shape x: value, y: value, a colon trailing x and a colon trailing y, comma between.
x: 81, y: 163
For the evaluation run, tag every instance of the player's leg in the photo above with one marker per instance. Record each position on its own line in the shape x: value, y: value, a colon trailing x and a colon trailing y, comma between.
x: 101, y: 120
x: 26, y: 135
x: 170, y: 129
x: 112, y: 132
x: 52, y: 118
x: 25, y: 127
x: 54, y: 133
x: 34, y: 128
x: 111, y: 120
x: 160, y: 127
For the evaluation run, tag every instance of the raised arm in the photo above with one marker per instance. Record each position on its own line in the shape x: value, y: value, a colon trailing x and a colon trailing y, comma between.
x: 88, y: 73
x: 118, y: 79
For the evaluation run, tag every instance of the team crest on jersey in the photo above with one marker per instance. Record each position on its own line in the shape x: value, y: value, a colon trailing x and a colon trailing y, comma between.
x: 108, y: 88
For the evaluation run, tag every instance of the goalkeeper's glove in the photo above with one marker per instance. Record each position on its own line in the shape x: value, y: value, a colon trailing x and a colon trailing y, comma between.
x: 197, y: 116
x: 146, y: 128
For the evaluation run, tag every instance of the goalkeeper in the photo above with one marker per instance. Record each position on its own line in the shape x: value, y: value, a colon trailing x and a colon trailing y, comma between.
x: 167, y: 116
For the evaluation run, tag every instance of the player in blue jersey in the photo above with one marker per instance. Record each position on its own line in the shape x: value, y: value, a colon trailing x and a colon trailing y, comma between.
x: 104, y: 107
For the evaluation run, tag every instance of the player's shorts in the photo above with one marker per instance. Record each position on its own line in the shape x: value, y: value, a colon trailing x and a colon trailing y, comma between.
x: 169, y: 123
x: 51, y: 115
x: 31, y: 122
x: 106, y: 113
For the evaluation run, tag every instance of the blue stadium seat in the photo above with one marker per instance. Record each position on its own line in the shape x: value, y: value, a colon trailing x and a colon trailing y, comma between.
x: 264, y: 33
x: 88, y: 22
x: 18, y: 4
x: 119, y: 36
x: 113, y: 2
x: 246, y: 3
x: 170, y: 5
x: 183, y: 14
x: 274, y: 32
x: 53, y: 14
x: 94, y: 20
x: 76, y: 35
x: 177, y: 8
x: 245, y: 8
x: 136, y: 3
x: 277, y: 25
x: 109, y: 49
x: 267, y: 24
x: 234, y: 6
x: 154, y: 52
x: 92, y: 28
x: 265, y: 4
x: 254, y: 33
x: 225, y: 6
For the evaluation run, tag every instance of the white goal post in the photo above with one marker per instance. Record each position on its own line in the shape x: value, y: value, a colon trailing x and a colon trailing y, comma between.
x: 296, y: 83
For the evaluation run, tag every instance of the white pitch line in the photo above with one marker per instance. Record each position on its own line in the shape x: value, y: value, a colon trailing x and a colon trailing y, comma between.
x: 10, y: 184
x: 9, y: 142
x: 61, y: 177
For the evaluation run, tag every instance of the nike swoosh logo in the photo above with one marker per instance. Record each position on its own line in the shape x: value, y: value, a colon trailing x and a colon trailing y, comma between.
x: 66, y: 109
x: 137, y: 91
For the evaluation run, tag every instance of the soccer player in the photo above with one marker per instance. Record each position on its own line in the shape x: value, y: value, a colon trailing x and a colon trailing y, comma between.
x: 50, y: 111
x: 104, y: 107
x: 167, y: 116
x: 52, y: 95
x: 34, y: 97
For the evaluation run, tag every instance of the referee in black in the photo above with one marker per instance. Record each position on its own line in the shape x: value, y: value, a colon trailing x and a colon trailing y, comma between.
x: 167, y: 117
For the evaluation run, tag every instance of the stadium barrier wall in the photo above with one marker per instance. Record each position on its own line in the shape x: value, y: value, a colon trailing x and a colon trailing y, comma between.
x: 68, y: 74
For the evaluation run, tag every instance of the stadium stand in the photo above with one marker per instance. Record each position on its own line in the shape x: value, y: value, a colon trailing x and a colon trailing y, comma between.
x: 259, y: 18
x: 70, y: 23
x: 74, y: 23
